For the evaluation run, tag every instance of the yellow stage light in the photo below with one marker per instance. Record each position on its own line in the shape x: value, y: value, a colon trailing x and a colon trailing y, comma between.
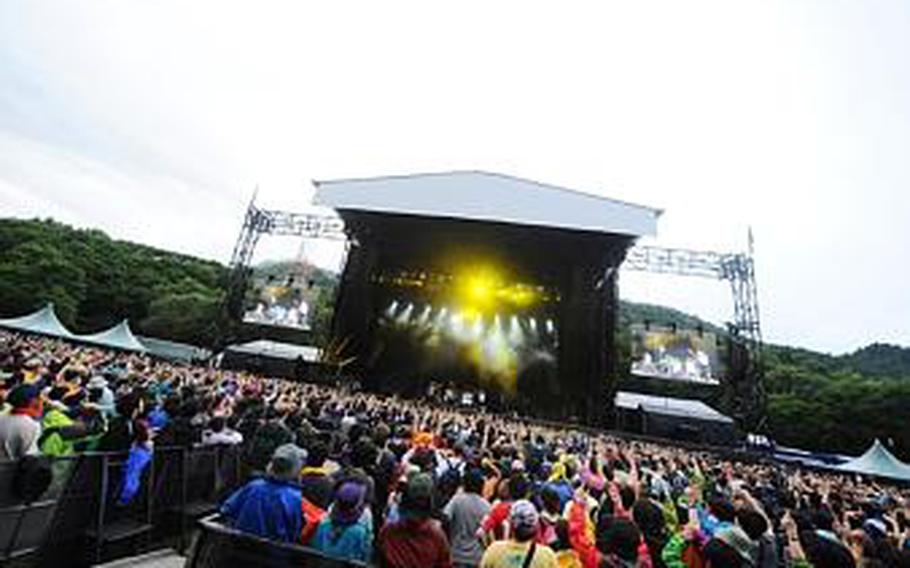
x: 480, y: 289
x: 483, y: 290
x: 476, y: 288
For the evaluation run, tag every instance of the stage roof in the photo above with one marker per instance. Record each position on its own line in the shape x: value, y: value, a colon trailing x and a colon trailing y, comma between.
x: 683, y: 407
x: 491, y: 197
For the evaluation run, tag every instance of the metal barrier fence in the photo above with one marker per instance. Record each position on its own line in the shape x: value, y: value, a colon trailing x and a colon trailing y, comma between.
x: 217, y: 545
x: 79, y: 521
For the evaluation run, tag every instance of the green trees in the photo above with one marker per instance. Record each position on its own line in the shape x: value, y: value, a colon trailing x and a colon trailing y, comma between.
x: 815, y: 401
x: 34, y: 272
x: 95, y: 281
x: 186, y: 311
x: 836, y: 410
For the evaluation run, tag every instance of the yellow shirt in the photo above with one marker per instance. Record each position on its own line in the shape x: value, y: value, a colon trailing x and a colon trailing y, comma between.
x: 511, y: 554
x: 568, y: 559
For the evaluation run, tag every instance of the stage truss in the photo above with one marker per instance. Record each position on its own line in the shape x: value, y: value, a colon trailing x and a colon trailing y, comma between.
x: 745, y: 392
x: 745, y: 389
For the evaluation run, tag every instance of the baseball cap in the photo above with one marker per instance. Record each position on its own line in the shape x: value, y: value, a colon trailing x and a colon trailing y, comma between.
x: 349, y: 502
x: 287, y: 461
x: 22, y: 395
x: 523, y: 516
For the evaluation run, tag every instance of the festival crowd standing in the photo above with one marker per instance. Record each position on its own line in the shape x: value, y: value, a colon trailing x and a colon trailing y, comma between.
x: 406, y: 484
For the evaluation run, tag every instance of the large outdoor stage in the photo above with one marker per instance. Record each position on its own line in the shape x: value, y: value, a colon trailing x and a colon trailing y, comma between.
x: 484, y: 278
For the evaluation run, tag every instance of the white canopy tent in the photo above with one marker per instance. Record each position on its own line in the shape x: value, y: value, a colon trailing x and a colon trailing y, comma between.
x: 878, y: 461
x: 118, y: 337
x: 46, y: 322
x: 43, y: 321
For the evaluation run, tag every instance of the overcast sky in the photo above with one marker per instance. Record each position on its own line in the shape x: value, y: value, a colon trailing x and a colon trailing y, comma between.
x: 154, y: 122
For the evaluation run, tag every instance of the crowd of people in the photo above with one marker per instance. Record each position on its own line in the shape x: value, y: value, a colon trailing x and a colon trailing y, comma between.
x: 404, y: 483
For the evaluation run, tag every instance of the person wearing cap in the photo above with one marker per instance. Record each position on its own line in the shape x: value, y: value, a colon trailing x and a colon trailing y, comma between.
x: 495, y: 525
x: 736, y: 539
x: 347, y: 531
x: 415, y: 540
x: 270, y: 506
x: 521, y: 550
x: 101, y: 396
x: 20, y: 430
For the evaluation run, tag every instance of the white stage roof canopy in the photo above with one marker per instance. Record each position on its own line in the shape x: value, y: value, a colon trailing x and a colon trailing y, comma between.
x: 489, y: 197
x: 683, y: 407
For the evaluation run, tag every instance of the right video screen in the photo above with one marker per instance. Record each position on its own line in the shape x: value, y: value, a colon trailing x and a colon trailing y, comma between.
x: 675, y: 354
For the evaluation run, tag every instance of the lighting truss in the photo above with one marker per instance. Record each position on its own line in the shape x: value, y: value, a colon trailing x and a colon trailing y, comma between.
x: 746, y: 387
x: 257, y: 222
x: 748, y: 398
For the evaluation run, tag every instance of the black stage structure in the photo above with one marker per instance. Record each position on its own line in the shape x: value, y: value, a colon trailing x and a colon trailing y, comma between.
x: 405, y: 240
x: 566, y: 245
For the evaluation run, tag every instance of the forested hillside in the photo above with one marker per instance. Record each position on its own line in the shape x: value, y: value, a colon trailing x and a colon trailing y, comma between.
x: 816, y: 400
x: 95, y: 281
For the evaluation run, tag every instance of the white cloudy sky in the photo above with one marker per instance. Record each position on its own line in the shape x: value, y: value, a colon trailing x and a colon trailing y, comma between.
x: 154, y: 121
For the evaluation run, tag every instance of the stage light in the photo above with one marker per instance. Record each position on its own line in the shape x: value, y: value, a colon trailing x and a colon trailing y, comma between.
x: 406, y: 314
x: 516, y: 334
x: 455, y: 320
x: 481, y: 289
x: 478, y: 327
x: 390, y: 311
x: 518, y: 295
x: 476, y: 288
x: 424, y: 315
x: 440, y: 318
x: 550, y: 327
x: 533, y: 324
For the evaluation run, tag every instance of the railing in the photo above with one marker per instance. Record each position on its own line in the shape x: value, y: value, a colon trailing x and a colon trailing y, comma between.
x: 219, y: 545
x: 79, y: 521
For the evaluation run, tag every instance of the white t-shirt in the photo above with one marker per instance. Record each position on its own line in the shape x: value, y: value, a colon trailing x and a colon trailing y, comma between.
x: 18, y: 436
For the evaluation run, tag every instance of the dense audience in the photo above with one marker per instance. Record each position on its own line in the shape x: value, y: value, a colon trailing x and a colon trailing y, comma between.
x: 403, y: 483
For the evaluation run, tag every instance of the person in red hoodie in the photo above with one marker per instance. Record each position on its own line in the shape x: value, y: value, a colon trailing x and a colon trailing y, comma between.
x: 415, y: 540
x: 618, y: 541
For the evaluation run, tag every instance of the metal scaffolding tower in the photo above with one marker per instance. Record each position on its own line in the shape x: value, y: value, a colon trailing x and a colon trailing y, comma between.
x: 257, y: 222
x: 744, y: 388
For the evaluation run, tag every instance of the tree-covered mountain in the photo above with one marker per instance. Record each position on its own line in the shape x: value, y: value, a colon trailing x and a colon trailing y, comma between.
x: 816, y: 400
x: 662, y: 316
x: 880, y: 360
x: 95, y: 281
